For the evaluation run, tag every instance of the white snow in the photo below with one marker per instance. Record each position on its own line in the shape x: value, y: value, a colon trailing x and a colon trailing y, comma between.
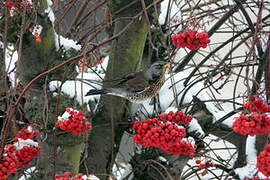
x: 189, y: 140
x: 64, y: 116
x: 171, y: 109
x: 250, y: 169
x: 76, y: 89
x: 167, y: 98
x: 195, y: 127
x: 90, y: 177
x: 22, y: 143
x: 27, y: 173
x: 174, y: 12
x: 67, y: 43
x: 84, y: 82
x: 10, y: 61
x: 30, y: 128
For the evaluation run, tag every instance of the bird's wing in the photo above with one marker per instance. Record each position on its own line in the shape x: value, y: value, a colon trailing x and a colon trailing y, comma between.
x: 135, y: 82
x: 138, y: 83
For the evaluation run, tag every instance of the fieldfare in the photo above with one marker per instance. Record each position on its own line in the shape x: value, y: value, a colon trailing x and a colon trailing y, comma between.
x: 139, y: 86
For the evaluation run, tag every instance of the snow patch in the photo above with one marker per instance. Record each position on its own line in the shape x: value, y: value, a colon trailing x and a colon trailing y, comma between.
x: 174, y: 12
x: 22, y: 143
x: 64, y: 116
x: 27, y: 173
x: 171, y: 109
x: 195, y: 127
x: 250, y: 169
x: 10, y: 63
x: 168, y: 95
x: 67, y: 43
x: 90, y: 177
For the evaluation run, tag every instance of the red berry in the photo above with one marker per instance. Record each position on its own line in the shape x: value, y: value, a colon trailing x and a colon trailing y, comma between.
x: 10, y: 4
x: 198, y: 161
x: 202, y: 166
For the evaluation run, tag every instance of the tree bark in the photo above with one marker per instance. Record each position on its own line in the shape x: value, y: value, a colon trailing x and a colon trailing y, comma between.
x: 60, y: 151
x: 125, y: 57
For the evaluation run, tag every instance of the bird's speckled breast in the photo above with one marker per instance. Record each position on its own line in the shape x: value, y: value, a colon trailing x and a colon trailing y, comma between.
x: 148, y: 93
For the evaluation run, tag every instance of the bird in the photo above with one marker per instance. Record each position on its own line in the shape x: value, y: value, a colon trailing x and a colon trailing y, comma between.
x: 139, y: 86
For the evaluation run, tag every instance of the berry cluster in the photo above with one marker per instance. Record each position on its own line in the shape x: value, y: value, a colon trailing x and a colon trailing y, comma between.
x: 205, y: 165
x: 182, y: 147
x: 26, y: 133
x: 256, y: 105
x: 255, y: 121
x: 74, y: 122
x: 67, y: 176
x: 178, y: 117
x: 83, y: 66
x: 165, y: 135
x: 9, y: 163
x: 263, y: 161
x: 19, y: 154
x: 27, y: 154
x: 36, y: 32
x: 10, y: 4
x: 254, y: 124
x: 191, y: 39
x: 15, y: 6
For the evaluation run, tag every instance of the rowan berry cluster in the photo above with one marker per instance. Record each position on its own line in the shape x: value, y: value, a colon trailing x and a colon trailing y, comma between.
x: 15, y: 6
x: 67, y: 176
x: 10, y: 4
x: 19, y: 154
x: 263, y: 161
x: 178, y: 118
x: 254, y: 120
x: 257, y: 105
x: 74, y: 122
x: 27, y: 154
x: 36, y: 32
x: 26, y: 133
x: 191, y: 39
x: 182, y: 147
x: 164, y: 134
x: 9, y: 162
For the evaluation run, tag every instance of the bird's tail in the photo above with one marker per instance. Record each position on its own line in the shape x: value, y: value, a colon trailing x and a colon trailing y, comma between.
x: 96, y: 92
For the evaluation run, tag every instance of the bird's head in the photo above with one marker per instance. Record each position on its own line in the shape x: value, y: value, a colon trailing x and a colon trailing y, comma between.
x: 158, y: 69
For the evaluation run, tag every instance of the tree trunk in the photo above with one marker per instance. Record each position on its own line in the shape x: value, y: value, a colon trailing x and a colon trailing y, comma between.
x: 60, y: 151
x: 125, y: 57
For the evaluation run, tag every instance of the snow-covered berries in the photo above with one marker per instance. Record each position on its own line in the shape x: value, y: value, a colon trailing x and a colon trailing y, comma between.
x: 27, y: 151
x: 26, y: 133
x: 74, y: 122
x: 19, y: 154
